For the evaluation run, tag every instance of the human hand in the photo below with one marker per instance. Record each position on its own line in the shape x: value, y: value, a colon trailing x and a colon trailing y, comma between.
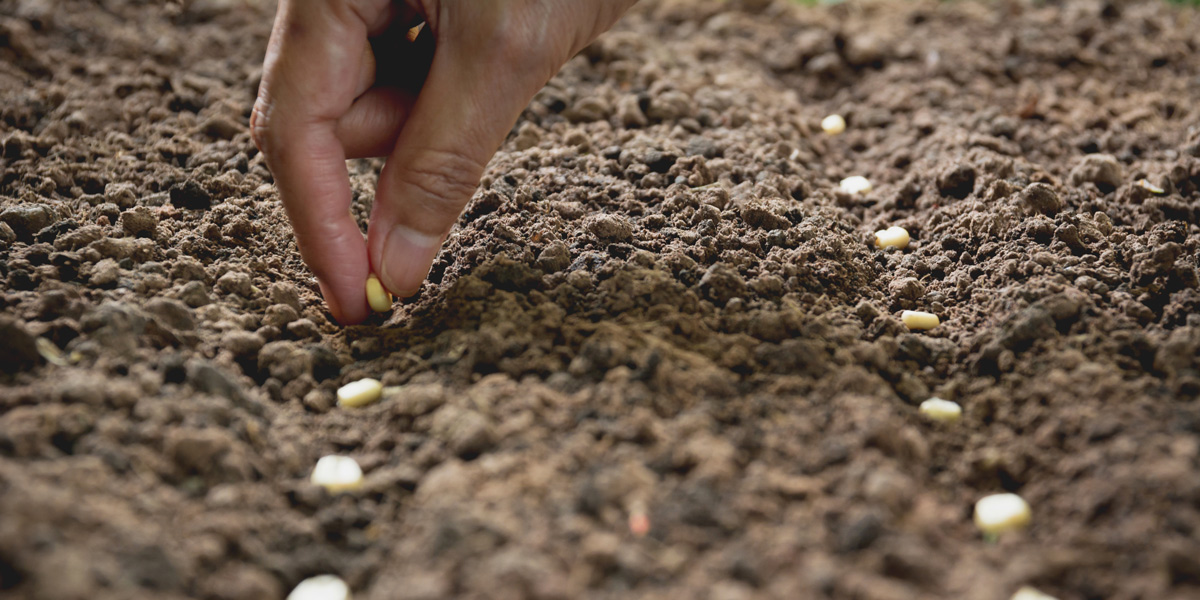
x: 327, y: 96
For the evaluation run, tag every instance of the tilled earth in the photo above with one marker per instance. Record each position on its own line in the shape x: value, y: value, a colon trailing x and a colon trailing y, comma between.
x: 658, y: 311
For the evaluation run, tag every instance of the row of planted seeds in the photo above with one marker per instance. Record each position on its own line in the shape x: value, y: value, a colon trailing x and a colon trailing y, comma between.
x: 994, y: 515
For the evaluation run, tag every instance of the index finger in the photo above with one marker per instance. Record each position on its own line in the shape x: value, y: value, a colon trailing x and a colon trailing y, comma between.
x: 312, y: 73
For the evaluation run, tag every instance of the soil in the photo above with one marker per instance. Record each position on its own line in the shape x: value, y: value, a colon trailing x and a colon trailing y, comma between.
x: 660, y: 356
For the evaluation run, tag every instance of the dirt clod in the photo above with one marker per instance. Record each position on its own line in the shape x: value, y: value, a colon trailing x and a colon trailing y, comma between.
x: 1039, y: 198
x: 139, y: 221
x: 18, y: 349
x: 1101, y: 169
x: 189, y: 195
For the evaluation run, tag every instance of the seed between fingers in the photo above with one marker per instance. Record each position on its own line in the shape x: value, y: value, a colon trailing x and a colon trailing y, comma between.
x: 379, y: 298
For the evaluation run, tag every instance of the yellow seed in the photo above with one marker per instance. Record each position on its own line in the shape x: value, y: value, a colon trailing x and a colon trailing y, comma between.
x: 915, y: 319
x: 1000, y: 513
x: 337, y: 474
x: 940, y: 410
x: 855, y: 185
x: 359, y: 393
x: 321, y: 587
x: 892, y: 236
x: 379, y: 298
x: 833, y: 124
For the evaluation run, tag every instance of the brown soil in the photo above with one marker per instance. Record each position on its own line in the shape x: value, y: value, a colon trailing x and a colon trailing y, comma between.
x: 656, y: 307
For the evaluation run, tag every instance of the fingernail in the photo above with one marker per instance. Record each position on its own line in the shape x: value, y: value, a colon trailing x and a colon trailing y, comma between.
x: 407, y: 257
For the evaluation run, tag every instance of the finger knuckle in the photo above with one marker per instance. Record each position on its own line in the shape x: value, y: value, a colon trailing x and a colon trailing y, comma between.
x: 513, y: 45
x: 518, y: 42
x: 261, y: 130
x: 446, y: 178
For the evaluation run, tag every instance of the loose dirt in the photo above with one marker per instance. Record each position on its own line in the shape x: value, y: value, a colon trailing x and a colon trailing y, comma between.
x: 660, y: 355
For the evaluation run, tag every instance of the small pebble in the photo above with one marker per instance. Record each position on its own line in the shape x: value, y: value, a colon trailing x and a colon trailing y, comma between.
x: 833, y: 124
x: 940, y: 410
x: 639, y: 521
x: 359, y: 393
x: 855, y: 185
x: 915, y: 319
x: 337, y: 474
x: 999, y: 513
x: 895, y: 237
x: 321, y: 587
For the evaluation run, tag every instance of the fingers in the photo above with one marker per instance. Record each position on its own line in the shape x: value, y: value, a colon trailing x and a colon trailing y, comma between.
x: 490, y: 58
x: 373, y: 123
x: 316, y: 64
x: 470, y: 100
x: 311, y: 174
x: 325, y: 98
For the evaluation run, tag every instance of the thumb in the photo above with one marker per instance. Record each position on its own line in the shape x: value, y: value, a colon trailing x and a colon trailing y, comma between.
x: 474, y: 93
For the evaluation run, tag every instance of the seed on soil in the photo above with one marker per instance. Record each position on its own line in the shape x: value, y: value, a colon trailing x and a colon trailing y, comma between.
x: 321, y: 587
x: 1000, y: 513
x: 1150, y: 187
x: 1029, y: 593
x: 50, y: 352
x: 893, y: 236
x: 943, y: 411
x: 915, y: 319
x: 359, y: 393
x: 855, y: 185
x: 379, y: 298
x: 338, y: 474
x: 833, y: 124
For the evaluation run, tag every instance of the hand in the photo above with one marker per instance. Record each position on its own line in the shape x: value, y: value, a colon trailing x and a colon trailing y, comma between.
x: 437, y: 107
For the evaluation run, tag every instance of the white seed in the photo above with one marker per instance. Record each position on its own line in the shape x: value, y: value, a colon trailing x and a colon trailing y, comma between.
x: 915, y: 319
x: 892, y: 236
x: 999, y: 513
x: 1028, y: 593
x: 940, y: 410
x: 1150, y: 187
x: 833, y: 124
x: 50, y: 352
x: 855, y: 185
x: 337, y: 474
x: 359, y: 393
x: 321, y: 587
x: 379, y: 298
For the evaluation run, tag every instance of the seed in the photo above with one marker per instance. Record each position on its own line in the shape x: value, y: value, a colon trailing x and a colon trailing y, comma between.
x: 1000, y: 513
x: 379, y: 298
x: 833, y: 124
x: 915, y: 319
x: 1028, y: 593
x: 855, y: 185
x: 50, y: 352
x: 940, y: 410
x: 1150, y: 187
x: 893, y: 236
x: 321, y: 587
x: 359, y: 393
x: 337, y: 474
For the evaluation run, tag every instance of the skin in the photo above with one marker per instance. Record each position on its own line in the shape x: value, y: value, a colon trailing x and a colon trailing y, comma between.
x: 343, y: 80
